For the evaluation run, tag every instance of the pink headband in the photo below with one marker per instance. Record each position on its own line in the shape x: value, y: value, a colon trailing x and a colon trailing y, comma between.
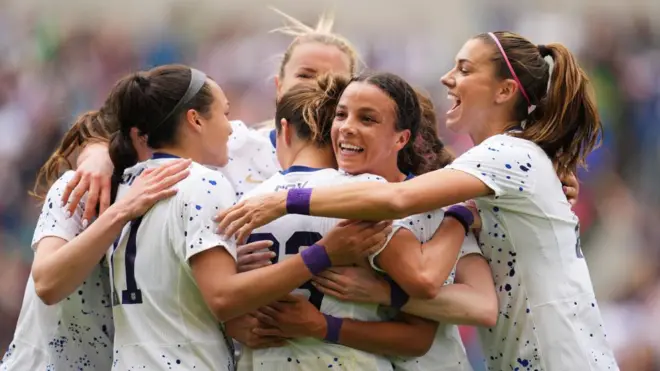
x: 513, y: 73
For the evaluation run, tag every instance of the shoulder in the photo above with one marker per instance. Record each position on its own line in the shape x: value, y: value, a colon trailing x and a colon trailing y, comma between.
x: 202, y: 177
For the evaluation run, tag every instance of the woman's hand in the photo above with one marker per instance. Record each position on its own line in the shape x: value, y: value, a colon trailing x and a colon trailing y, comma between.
x: 571, y: 187
x: 241, y: 219
x: 356, y: 284
x: 292, y: 317
x: 152, y: 186
x: 254, y: 255
x: 93, y: 174
x: 244, y: 329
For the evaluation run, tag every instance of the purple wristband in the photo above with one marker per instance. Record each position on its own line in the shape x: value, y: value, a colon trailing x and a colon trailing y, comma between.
x: 463, y: 215
x: 298, y: 200
x: 398, y: 297
x: 316, y: 259
x: 333, y: 328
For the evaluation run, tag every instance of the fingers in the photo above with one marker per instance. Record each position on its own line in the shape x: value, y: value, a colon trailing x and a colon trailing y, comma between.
x: 170, y: 168
x: 326, y: 283
x: 70, y: 185
x: 243, y: 232
x: 327, y: 291
x: 77, y: 194
x: 260, y: 259
x: 170, y: 180
x: 271, y: 332
x: 92, y: 199
x: 330, y: 275
x: 269, y: 319
x: 228, y: 216
x: 254, y: 247
x: 106, y: 190
x: 166, y: 193
x: 571, y: 194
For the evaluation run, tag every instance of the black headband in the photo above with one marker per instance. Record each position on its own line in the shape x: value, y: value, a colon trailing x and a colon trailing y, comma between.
x: 197, y: 80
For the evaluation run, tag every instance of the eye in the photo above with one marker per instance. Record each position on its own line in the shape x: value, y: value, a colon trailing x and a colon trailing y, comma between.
x: 340, y: 115
x: 305, y: 75
x: 368, y: 119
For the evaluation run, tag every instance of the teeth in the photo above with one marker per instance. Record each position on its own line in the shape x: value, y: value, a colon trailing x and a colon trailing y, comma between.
x: 350, y: 147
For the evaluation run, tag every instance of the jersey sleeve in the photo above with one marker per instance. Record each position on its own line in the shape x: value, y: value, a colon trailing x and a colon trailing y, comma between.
x: 202, y: 198
x: 470, y: 246
x: 423, y: 226
x: 504, y: 167
x: 53, y: 221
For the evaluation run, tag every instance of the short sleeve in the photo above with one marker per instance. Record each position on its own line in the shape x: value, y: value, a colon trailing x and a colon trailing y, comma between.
x: 199, y: 201
x: 53, y: 221
x: 470, y: 246
x: 500, y: 163
x: 423, y: 226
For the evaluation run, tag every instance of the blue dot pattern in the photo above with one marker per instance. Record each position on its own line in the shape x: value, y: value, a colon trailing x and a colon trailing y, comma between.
x: 548, y: 315
x: 76, y: 333
x: 172, y: 327
x: 308, y: 353
x: 447, y: 351
x: 252, y: 159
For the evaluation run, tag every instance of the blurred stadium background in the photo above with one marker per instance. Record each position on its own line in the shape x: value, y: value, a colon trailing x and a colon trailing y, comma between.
x: 58, y: 58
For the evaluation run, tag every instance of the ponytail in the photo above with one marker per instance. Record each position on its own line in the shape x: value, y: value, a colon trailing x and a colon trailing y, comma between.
x: 310, y: 108
x: 123, y: 155
x: 90, y: 127
x: 566, y: 123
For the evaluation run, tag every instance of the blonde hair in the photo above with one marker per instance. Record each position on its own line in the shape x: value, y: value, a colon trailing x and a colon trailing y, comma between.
x: 322, y: 34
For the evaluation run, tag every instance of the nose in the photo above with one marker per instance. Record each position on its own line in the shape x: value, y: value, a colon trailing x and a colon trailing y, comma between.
x: 347, y: 127
x: 448, y: 79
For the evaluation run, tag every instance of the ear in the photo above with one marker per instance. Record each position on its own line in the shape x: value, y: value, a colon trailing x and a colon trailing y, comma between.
x: 140, y: 144
x: 506, y: 91
x: 286, y: 132
x: 194, y: 120
x: 402, y: 139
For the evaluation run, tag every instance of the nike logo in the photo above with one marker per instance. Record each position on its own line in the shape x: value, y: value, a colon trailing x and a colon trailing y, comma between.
x: 249, y: 179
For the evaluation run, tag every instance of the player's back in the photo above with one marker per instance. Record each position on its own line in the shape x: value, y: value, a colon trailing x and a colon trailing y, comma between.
x: 290, y: 234
x: 161, y: 319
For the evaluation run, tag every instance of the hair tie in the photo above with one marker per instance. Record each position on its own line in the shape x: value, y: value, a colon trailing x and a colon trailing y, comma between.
x: 544, y: 50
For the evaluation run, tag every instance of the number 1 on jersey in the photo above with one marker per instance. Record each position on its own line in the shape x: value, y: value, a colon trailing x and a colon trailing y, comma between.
x: 132, y: 294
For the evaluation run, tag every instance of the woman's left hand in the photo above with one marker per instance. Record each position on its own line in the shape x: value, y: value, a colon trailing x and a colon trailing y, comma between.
x: 241, y: 219
x: 571, y: 187
x: 292, y: 317
x: 356, y: 284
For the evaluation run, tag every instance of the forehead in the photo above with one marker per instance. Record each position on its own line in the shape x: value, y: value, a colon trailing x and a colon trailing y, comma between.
x: 320, y: 58
x: 475, y: 51
x: 364, y: 95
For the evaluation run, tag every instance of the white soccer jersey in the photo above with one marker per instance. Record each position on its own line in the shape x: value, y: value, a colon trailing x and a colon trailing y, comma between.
x: 548, y: 316
x: 76, y: 333
x: 252, y: 158
x: 289, y: 234
x: 161, y: 320
x: 447, y: 352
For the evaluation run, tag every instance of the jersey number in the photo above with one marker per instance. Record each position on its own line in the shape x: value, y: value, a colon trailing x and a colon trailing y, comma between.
x: 292, y: 247
x: 132, y: 295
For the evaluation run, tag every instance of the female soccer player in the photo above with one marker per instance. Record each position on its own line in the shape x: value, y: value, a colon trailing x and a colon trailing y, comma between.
x: 523, y: 132
x: 304, y: 149
x: 173, y: 278
x: 66, y: 318
x: 380, y: 123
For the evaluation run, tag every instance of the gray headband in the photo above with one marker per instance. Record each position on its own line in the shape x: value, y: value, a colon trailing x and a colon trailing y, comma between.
x: 197, y: 80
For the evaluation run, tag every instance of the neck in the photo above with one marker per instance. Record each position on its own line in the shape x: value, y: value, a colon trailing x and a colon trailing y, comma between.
x: 492, y: 128
x: 390, y: 171
x: 181, y: 152
x: 312, y: 156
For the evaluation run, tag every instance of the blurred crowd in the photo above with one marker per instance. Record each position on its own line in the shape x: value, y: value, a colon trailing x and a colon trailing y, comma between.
x: 49, y: 74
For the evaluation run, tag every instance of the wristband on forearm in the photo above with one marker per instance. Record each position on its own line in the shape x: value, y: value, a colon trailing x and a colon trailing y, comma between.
x: 316, y: 259
x: 333, y: 328
x: 398, y: 297
x: 298, y: 201
x: 463, y: 215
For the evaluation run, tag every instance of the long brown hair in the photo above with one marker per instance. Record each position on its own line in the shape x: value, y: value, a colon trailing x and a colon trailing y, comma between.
x: 565, y: 122
x: 90, y: 127
x: 310, y: 108
x: 430, y: 151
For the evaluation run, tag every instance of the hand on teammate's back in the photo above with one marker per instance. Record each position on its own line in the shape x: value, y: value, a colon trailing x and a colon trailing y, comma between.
x: 291, y: 317
x: 93, y: 173
x: 241, y: 219
x: 245, y: 329
x: 351, y: 241
x: 354, y: 284
x: 254, y: 255
x: 152, y: 186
